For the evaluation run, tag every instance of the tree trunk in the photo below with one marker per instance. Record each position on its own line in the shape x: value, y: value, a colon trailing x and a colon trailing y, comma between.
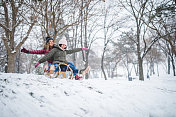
x: 11, y: 62
x: 114, y: 70
x: 29, y: 66
x: 135, y: 69
x: 86, y: 65
x: 127, y: 66
x: 153, y: 68
x: 18, y: 62
x: 102, y: 65
x: 157, y: 69
x: 6, y: 65
x: 141, y: 75
x: 152, y: 71
x: 168, y: 60
x: 140, y: 59
x: 102, y: 68
x: 75, y: 36
x: 173, y: 65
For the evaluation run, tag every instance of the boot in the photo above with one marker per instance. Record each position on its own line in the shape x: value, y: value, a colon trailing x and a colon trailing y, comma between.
x: 85, y: 71
x: 78, y: 77
x: 46, y: 70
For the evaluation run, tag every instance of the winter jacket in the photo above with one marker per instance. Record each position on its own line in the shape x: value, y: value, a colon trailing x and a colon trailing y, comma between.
x: 58, y: 55
x: 43, y: 51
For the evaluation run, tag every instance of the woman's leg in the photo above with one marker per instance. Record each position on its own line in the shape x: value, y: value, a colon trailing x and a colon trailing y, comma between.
x: 49, y: 65
x: 56, y: 65
x: 72, y: 66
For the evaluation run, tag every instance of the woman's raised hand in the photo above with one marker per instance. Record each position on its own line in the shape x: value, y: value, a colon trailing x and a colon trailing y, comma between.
x: 24, y: 50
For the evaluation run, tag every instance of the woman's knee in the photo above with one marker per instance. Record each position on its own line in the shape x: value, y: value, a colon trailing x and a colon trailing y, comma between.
x: 71, y: 65
x: 56, y: 66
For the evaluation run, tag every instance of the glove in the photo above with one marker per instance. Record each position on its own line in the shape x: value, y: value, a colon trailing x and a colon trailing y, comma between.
x: 24, y: 50
x: 37, y: 64
x: 84, y: 48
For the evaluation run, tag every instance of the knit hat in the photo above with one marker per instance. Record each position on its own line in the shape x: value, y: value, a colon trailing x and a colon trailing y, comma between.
x: 48, y: 38
x: 63, y: 41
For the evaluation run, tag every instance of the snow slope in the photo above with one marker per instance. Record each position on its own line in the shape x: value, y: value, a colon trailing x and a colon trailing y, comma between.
x: 23, y: 95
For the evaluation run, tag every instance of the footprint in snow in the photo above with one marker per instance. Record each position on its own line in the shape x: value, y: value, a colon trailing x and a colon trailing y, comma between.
x: 66, y: 93
x: 91, y: 88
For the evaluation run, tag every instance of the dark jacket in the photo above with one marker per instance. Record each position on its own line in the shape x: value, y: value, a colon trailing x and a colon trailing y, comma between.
x: 58, y: 55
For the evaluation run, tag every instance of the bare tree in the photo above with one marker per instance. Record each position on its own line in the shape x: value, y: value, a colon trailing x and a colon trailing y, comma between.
x: 161, y: 19
x: 126, y: 46
x: 3, y: 56
x: 13, y: 15
x: 110, y: 26
x: 84, y: 34
x: 170, y: 56
x: 153, y: 57
x: 56, y: 17
x: 138, y: 9
x: 86, y: 40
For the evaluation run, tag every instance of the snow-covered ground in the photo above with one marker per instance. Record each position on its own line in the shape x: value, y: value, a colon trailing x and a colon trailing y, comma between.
x: 23, y: 95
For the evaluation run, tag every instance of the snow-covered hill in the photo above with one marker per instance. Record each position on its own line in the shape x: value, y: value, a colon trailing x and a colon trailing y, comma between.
x: 23, y: 95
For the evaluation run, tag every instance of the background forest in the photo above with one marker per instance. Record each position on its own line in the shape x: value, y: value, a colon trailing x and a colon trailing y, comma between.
x: 136, y: 35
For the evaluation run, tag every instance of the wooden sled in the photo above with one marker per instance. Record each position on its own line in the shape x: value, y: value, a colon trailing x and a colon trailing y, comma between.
x: 64, y: 71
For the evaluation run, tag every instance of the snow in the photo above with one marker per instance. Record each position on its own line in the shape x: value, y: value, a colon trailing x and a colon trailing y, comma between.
x: 28, y: 95
x: 14, y: 51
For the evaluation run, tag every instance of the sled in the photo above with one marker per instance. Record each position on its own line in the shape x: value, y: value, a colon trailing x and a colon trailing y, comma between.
x: 64, y: 71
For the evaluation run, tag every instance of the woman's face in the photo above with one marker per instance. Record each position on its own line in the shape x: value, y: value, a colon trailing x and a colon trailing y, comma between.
x: 51, y: 43
x: 63, y: 46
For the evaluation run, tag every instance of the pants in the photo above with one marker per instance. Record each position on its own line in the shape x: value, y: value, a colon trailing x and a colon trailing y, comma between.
x: 64, y: 67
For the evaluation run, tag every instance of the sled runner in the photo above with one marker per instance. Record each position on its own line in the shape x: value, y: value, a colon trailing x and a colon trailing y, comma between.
x: 64, y: 71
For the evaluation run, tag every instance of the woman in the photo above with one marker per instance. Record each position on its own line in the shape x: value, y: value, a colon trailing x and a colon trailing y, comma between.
x: 58, y: 53
x: 47, y: 48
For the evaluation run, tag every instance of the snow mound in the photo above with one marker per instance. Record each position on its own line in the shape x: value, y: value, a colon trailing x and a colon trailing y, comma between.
x: 23, y: 95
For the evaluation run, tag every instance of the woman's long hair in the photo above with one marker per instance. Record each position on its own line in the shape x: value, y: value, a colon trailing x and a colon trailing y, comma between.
x: 47, y: 46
